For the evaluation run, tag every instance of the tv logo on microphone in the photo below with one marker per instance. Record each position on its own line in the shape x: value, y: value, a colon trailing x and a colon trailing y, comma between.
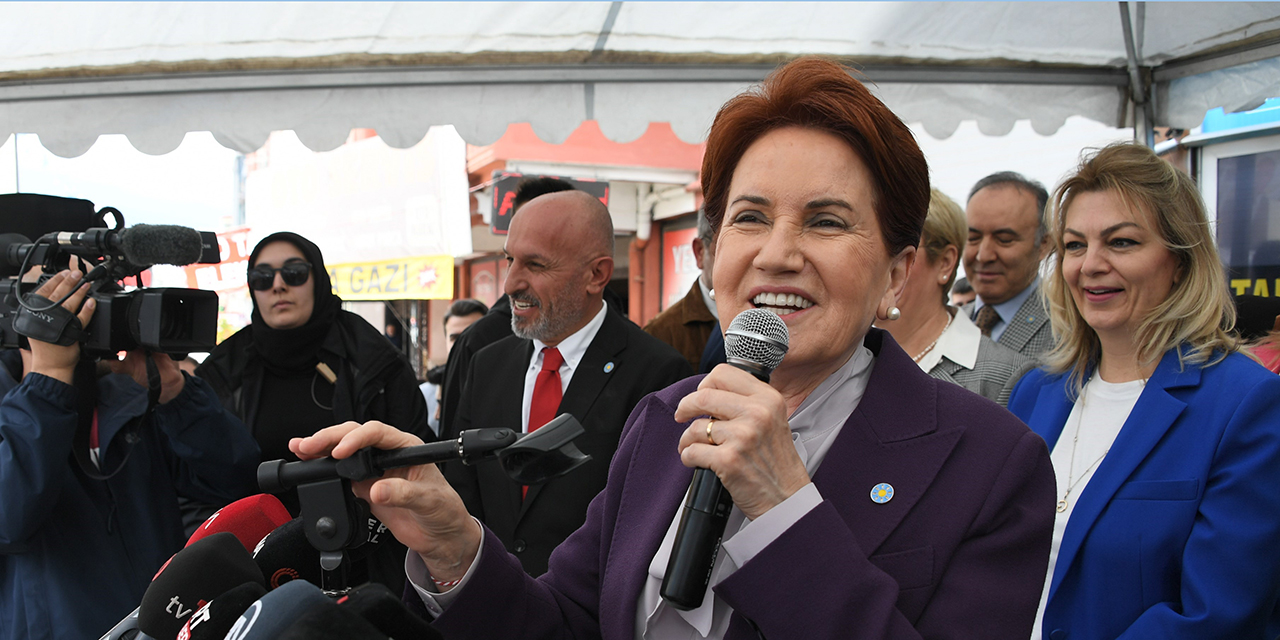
x: 175, y: 607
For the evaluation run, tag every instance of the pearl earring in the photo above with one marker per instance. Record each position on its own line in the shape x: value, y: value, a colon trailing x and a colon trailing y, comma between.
x: 711, y: 293
x: 894, y: 313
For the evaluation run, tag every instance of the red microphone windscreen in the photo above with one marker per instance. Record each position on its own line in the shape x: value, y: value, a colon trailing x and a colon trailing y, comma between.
x: 250, y: 519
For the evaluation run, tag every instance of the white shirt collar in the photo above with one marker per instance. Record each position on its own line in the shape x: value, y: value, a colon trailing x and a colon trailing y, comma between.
x: 573, y: 347
x: 958, y: 343
x: 1010, y: 307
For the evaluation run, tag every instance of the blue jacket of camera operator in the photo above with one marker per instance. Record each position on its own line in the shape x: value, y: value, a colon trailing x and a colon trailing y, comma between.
x: 77, y: 554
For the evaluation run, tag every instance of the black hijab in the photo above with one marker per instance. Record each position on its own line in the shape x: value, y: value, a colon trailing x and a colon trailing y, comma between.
x: 296, y: 350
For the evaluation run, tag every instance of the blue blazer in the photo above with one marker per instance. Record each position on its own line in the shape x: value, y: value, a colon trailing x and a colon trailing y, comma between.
x: 1178, y: 533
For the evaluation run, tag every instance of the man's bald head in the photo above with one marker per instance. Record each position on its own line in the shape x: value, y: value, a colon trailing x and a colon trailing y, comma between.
x: 576, y: 213
x: 560, y: 248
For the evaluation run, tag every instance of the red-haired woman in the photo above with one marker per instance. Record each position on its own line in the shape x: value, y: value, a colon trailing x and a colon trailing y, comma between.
x: 870, y: 501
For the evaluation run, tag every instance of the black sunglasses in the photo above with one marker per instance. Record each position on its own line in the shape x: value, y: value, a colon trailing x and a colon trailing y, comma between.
x: 262, y: 277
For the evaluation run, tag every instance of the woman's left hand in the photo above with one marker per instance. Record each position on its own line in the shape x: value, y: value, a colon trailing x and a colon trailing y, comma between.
x: 750, y: 447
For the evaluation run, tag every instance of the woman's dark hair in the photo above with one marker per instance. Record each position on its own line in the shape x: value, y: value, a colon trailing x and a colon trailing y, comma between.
x: 819, y: 94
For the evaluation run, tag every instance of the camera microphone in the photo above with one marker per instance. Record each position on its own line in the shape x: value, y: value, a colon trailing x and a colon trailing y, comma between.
x: 755, y: 342
x: 142, y: 245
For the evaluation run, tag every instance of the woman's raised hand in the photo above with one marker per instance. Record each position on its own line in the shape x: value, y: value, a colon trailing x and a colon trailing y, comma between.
x: 748, y: 445
x: 416, y: 503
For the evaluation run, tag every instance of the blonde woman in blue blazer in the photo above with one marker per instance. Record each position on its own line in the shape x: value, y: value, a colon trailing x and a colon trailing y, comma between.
x: 1165, y: 438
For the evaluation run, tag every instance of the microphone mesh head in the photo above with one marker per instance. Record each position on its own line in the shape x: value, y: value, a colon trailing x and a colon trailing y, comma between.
x: 759, y: 336
x: 148, y: 244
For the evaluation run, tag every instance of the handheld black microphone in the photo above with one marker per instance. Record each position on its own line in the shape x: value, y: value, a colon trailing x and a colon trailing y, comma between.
x: 755, y: 342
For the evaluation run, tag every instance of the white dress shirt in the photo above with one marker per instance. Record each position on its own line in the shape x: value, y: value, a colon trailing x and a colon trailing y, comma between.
x: 572, y: 349
x: 958, y: 343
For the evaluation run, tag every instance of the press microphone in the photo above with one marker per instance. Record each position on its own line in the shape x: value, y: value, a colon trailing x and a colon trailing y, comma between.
x: 142, y: 245
x: 214, y: 619
x: 269, y: 616
x: 193, y: 576
x: 286, y: 555
x: 755, y: 342
x: 126, y: 629
x: 384, y: 610
x: 334, y: 623
x: 248, y: 519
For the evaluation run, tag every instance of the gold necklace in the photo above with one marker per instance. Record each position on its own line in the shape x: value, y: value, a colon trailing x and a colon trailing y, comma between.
x: 950, y: 319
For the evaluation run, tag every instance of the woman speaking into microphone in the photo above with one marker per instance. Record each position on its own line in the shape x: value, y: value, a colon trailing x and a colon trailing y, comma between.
x: 869, y: 500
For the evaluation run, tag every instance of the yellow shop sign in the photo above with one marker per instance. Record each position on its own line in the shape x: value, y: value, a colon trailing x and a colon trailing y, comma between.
x: 421, y: 278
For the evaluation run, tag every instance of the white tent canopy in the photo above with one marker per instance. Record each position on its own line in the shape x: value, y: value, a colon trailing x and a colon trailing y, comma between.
x: 156, y: 70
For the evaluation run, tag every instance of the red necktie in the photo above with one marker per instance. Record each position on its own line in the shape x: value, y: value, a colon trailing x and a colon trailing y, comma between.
x: 546, y: 393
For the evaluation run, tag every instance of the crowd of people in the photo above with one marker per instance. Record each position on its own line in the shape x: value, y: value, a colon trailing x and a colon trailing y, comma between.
x: 1074, y: 440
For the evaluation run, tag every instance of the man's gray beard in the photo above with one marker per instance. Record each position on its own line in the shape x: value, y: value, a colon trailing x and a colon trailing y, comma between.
x: 552, y: 322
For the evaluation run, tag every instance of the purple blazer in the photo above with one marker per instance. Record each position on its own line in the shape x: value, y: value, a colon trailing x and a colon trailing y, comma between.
x: 959, y: 552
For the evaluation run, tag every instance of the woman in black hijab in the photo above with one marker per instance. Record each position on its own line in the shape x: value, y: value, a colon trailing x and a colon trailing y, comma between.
x: 304, y: 364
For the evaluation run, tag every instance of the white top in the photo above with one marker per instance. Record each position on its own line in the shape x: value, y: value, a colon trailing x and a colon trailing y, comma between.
x: 1096, y: 419
x: 572, y: 349
x: 958, y: 343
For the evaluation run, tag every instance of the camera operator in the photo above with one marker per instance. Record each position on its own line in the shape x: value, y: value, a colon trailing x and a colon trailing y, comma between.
x: 79, y: 545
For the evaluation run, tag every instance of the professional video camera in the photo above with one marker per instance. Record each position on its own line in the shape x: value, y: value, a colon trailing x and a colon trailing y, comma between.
x: 167, y: 320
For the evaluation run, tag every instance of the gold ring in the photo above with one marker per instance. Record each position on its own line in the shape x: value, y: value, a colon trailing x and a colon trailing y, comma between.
x: 710, y: 422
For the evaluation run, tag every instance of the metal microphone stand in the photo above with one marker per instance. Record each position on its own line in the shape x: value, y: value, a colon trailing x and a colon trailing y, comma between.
x: 333, y: 517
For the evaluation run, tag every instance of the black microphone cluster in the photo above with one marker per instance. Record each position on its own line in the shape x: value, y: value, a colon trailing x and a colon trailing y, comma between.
x: 214, y: 588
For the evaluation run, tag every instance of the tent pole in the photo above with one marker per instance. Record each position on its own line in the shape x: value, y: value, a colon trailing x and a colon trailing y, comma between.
x: 1139, y: 91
